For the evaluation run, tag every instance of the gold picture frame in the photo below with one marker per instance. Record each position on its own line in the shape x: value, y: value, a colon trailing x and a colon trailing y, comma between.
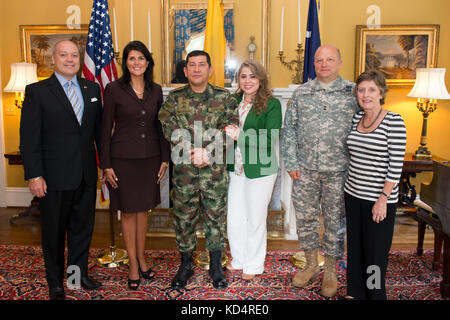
x: 396, y: 50
x: 261, y: 35
x: 37, y: 42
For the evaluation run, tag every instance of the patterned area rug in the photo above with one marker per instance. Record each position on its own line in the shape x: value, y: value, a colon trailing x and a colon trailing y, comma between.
x: 22, y: 277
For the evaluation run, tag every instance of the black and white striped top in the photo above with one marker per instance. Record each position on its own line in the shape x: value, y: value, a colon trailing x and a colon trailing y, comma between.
x: 375, y: 157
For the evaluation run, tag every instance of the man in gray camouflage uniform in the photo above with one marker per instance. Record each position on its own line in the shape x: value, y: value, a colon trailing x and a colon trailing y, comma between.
x: 193, y: 118
x: 313, y: 147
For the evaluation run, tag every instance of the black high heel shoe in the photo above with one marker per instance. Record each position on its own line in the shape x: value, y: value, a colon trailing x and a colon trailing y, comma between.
x: 149, y: 274
x: 134, y: 284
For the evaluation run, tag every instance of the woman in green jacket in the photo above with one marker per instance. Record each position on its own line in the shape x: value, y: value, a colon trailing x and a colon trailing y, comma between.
x: 254, y: 171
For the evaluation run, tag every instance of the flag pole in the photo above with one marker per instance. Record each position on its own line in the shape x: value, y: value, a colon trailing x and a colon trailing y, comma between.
x: 113, y: 257
x: 99, y: 66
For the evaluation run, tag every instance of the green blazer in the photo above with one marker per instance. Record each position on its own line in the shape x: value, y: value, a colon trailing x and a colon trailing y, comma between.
x: 257, y: 140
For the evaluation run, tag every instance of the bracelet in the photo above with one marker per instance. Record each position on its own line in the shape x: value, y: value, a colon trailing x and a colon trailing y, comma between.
x: 34, y: 179
x: 165, y: 164
x: 384, y: 194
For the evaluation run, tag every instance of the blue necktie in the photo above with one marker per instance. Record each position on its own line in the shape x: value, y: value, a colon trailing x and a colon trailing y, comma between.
x: 73, y: 98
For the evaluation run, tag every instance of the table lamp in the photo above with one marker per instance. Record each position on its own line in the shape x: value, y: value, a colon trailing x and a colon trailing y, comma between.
x: 429, y: 86
x: 22, y: 74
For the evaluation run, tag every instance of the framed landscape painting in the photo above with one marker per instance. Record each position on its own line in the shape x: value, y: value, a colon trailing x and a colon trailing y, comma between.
x: 37, y: 43
x: 396, y: 50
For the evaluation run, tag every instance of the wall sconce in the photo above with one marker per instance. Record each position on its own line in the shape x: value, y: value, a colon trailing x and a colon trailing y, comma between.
x: 429, y: 86
x: 22, y: 74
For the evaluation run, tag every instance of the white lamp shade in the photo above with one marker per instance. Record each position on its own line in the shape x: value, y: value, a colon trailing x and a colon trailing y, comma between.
x: 430, y: 84
x: 22, y: 74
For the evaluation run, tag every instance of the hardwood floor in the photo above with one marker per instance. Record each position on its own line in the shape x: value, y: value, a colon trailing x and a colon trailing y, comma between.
x: 26, y: 231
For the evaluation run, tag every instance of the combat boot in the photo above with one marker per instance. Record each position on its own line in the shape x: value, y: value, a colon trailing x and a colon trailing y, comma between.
x: 329, y: 282
x: 184, y: 272
x: 310, y: 271
x: 216, y: 270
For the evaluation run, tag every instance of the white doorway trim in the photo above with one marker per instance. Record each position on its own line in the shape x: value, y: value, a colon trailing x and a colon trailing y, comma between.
x: 2, y: 150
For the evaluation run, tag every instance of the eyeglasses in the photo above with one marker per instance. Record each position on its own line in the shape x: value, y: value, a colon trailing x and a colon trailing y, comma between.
x: 328, y: 60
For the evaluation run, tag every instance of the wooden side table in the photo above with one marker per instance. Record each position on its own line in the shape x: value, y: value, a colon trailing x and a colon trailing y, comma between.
x: 14, y: 158
x: 412, y: 166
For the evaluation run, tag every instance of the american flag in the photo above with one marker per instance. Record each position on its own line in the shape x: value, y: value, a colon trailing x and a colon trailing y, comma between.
x: 99, y: 62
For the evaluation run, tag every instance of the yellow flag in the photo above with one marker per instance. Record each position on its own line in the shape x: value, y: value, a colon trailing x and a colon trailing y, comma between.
x: 215, y: 43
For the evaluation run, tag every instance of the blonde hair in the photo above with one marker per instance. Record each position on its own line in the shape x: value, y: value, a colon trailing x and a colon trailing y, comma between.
x: 264, y: 92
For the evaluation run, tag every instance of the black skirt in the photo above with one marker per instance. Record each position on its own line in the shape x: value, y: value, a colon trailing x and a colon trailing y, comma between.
x: 137, y: 188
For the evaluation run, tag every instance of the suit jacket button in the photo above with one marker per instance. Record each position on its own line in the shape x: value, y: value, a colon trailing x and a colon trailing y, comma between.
x: 142, y: 111
x: 143, y: 136
x: 143, y: 124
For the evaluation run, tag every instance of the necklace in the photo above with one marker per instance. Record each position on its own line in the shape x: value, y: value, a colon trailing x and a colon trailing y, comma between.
x: 137, y: 92
x: 367, y: 127
x: 248, y: 100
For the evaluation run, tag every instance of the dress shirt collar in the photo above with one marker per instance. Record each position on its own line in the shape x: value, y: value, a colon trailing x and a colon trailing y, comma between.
x: 63, y: 81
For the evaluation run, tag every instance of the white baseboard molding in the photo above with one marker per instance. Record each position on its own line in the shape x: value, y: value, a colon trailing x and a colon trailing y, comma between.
x: 21, y: 197
x: 18, y: 197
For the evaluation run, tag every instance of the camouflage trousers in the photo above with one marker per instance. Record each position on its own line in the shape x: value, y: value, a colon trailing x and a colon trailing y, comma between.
x: 320, y: 192
x: 200, y: 193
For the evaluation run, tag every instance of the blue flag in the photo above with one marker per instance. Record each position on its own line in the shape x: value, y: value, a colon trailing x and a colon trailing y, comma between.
x: 312, y: 42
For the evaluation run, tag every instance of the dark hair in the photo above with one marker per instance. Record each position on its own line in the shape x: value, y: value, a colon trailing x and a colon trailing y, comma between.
x: 180, y: 77
x: 196, y: 53
x: 375, y: 76
x: 264, y: 92
x: 148, y: 74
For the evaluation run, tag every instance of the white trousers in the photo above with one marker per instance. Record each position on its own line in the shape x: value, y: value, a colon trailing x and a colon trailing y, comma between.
x: 248, y: 200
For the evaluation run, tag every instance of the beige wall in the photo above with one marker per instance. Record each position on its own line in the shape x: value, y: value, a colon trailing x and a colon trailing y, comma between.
x: 338, y: 20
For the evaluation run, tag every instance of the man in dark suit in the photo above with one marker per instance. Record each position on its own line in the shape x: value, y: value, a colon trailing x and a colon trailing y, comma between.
x: 59, y: 133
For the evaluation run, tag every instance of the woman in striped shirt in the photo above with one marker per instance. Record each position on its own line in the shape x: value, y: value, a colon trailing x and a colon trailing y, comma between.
x: 377, y: 147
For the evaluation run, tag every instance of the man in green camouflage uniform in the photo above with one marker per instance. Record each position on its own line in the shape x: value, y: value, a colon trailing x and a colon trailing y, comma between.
x: 193, y: 118
x: 313, y: 146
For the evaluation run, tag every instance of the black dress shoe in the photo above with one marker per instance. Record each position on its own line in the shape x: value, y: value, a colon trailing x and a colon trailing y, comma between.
x: 134, y: 284
x: 88, y: 283
x: 57, y: 293
x: 149, y: 274
x: 219, y: 280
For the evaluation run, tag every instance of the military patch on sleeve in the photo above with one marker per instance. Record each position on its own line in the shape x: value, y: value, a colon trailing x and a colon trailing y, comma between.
x: 163, y: 115
x: 349, y: 89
